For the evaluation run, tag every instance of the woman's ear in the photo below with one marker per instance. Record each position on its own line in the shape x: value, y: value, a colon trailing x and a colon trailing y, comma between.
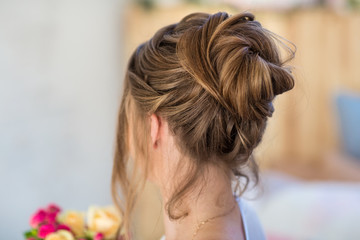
x: 155, y: 123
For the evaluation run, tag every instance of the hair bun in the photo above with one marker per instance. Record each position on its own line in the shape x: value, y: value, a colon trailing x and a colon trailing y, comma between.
x: 236, y: 61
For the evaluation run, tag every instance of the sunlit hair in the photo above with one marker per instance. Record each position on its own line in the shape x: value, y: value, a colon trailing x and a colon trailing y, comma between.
x: 213, y: 78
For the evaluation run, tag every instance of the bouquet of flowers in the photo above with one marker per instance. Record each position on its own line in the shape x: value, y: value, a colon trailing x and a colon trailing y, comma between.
x: 99, y: 223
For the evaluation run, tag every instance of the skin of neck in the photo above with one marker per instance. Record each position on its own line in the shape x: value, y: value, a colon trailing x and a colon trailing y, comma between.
x: 210, y: 198
x: 215, y: 201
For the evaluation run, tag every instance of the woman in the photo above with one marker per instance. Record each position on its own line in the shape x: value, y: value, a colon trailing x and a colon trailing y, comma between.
x: 196, y: 99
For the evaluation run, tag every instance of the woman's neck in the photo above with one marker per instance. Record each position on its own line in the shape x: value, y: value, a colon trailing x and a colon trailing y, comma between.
x: 215, y: 202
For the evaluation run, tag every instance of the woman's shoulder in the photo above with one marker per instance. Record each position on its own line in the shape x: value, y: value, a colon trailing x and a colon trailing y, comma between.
x: 251, y: 223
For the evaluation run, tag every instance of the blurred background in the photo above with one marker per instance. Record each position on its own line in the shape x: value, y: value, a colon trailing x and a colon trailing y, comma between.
x: 61, y: 66
x: 61, y: 71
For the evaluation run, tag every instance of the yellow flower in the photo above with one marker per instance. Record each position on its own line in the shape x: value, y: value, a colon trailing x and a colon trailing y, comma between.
x: 104, y: 220
x: 60, y: 235
x: 74, y: 220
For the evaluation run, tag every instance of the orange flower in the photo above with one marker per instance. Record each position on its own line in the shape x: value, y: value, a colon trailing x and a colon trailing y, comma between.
x: 60, y: 235
x: 75, y: 220
x: 104, y: 220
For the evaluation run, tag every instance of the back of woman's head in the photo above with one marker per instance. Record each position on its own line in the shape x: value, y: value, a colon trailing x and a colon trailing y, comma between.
x: 213, y: 78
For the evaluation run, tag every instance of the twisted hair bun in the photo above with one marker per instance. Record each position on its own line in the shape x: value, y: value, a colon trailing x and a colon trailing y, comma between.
x: 213, y: 78
x: 236, y: 61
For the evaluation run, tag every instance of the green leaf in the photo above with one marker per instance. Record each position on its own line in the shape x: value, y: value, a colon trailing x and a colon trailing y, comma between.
x: 31, y: 233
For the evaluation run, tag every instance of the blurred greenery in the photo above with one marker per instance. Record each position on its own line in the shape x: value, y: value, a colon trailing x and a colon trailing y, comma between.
x: 146, y: 4
x: 354, y: 3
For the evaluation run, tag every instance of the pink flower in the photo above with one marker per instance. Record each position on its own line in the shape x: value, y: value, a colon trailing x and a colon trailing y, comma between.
x: 99, y: 236
x: 51, y: 217
x: 63, y: 227
x: 45, y: 216
x: 53, y: 208
x: 45, y: 230
x: 31, y: 238
x: 38, y: 218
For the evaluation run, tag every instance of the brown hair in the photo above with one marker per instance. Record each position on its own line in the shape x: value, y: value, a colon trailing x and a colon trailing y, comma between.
x: 213, y: 78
